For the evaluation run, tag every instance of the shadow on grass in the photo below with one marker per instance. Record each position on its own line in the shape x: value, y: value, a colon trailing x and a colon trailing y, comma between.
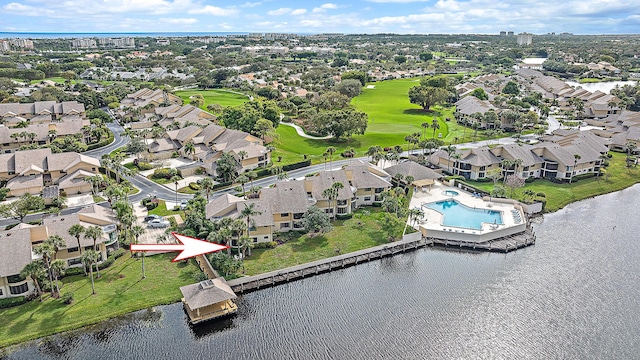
x: 419, y: 112
x: 306, y: 244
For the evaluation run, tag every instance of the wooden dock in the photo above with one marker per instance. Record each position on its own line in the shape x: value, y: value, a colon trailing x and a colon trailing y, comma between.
x: 409, y: 243
x: 505, y: 244
x: 250, y: 283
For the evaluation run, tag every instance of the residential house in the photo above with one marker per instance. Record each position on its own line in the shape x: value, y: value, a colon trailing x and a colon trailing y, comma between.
x: 32, y: 171
x: 41, y: 111
x: 561, y: 156
x: 17, y: 244
x: 145, y: 97
x: 281, y: 207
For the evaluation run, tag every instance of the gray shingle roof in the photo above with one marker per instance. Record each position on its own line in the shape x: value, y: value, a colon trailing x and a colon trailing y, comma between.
x: 15, y: 251
x: 414, y: 169
x: 207, y: 293
x: 285, y: 196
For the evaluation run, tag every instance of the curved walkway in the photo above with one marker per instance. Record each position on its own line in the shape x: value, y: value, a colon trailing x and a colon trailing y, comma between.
x: 301, y: 132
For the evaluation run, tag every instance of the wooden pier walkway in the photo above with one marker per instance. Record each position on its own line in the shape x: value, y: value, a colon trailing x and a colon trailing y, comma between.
x: 250, y: 283
x: 411, y: 242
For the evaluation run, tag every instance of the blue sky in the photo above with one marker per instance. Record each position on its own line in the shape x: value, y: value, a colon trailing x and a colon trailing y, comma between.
x: 354, y: 16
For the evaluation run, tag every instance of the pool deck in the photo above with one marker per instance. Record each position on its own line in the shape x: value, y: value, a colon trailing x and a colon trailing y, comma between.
x: 514, y: 220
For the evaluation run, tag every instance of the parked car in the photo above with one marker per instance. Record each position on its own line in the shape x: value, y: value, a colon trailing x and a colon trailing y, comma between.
x: 153, y: 217
x: 183, y: 204
x: 159, y: 223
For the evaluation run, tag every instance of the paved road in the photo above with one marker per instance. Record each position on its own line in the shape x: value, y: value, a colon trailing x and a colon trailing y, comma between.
x: 119, y: 141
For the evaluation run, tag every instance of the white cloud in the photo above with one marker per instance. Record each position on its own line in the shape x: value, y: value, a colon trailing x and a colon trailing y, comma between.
x: 277, y: 12
x: 395, y: 20
x: 298, y: 11
x: 324, y: 7
x: 251, y: 4
x: 179, y: 21
x: 214, y: 10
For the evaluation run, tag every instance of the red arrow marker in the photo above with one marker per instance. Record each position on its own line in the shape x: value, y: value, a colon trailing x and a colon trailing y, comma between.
x: 190, y: 247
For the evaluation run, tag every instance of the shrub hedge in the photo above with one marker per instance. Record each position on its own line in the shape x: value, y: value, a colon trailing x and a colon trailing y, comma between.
x: 11, y: 302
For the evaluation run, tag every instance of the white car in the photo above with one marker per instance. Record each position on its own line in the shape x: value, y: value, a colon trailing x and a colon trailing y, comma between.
x: 183, y: 204
x: 159, y: 223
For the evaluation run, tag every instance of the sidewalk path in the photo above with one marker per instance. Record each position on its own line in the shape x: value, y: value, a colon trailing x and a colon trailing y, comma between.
x: 301, y: 132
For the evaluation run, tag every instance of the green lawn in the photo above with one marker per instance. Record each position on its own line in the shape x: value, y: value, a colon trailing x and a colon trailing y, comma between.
x: 391, y: 118
x: 360, y: 232
x: 120, y: 290
x: 163, y: 211
x: 214, y: 96
x: 560, y: 195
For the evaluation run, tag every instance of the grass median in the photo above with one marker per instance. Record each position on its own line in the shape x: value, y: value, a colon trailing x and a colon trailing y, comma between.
x: 120, y: 290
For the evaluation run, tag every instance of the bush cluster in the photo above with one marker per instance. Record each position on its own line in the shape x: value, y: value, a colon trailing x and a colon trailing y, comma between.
x: 11, y: 302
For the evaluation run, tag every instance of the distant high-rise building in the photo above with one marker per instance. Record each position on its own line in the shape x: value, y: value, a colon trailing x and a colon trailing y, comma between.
x: 22, y: 43
x: 509, y: 33
x: 5, y: 46
x: 83, y: 43
x: 524, y: 39
x: 503, y: 33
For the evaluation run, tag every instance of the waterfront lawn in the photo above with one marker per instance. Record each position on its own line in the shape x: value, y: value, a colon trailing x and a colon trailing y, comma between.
x: 214, y: 96
x: 120, y: 290
x: 357, y: 233
x: 559, y: 195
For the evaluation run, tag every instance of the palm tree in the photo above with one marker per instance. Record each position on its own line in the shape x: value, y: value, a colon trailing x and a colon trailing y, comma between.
x: 435, y: 126
x: 373, y: 151
x: 93, y: 233
x: 330, y: 151
x: 136, y: 231
x: 251, y: 175
x: 189, y: 149
x: 517, y: 163
x: 249, y: 211
x: 457, y: 157
x: 207, y: 185
x: 282, y: 175
x: 76, y: 231
x: 450, y: 151
x: 46, y: 251
x: 174, y: 179
x: 242, y: 179
x: 576, y: 157
x: 631, y: 148
x: 336, y: 186
x: 424, y: 126
x: 330, y: 194
x: 57, y: 269
x: 89, y: 258
x: 34, y: 270
x: 506, y: 164
x: 409, y: 180
x: 245, y: 243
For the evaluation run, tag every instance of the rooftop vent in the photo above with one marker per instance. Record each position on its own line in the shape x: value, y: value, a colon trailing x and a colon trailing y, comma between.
x: 207, y: 284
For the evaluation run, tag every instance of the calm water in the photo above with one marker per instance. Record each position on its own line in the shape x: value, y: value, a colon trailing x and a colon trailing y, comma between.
x: 574, y: 295
x: 604, y: 86
x: 456, y: 214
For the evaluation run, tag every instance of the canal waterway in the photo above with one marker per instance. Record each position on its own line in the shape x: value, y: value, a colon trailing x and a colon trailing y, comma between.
x: 574, y: 295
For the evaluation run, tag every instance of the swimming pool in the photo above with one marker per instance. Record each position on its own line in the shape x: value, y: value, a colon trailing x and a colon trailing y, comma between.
x: 459, y: 215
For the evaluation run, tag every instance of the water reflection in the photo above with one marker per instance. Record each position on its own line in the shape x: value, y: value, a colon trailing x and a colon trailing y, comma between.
x: 572, y: 295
